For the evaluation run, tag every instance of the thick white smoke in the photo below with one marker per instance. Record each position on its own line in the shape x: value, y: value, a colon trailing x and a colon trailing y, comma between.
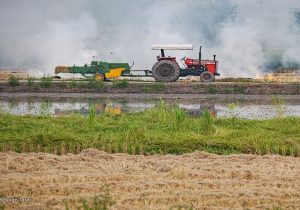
x: 264, y: 36
x: 248, y: 36
x: 64, y: 42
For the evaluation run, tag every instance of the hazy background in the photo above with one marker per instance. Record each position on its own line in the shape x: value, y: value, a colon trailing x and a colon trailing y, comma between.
x: 248, y: 36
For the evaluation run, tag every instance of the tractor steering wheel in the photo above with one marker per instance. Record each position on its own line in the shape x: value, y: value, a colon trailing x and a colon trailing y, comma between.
x: 183, y: 59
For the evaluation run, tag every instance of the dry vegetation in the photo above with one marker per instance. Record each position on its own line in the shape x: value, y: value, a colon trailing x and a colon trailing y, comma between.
x: 194, y: 181
x: 4, y: 75
x: 292, y: 76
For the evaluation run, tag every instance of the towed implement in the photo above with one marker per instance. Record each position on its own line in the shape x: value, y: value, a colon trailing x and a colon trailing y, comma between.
x: 98, y: 69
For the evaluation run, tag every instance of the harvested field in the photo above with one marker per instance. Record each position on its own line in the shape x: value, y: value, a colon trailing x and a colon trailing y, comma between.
x: 283, y: 75
x: 199, y: 180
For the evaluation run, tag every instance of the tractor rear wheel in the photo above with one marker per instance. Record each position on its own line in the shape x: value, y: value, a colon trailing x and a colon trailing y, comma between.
x: 99, y: 77
x: 166, y: 71
x: 207, y: 77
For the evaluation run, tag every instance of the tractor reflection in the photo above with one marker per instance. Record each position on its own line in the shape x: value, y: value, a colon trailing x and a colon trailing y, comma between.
x: 210, y: 108
x: 199, y: 110
x: 114, y: 109
x: 118, y: 108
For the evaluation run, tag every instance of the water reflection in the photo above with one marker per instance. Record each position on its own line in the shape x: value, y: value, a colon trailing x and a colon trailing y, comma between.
x: 12, y: 104
x: 30, y: 105
x: 48, y: 107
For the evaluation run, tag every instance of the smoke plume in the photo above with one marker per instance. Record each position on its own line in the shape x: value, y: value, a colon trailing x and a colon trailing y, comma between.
x: 249, y: 36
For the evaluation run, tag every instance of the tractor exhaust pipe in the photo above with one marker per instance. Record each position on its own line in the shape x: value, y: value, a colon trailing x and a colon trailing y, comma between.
x: 200, y: 56
x: 215, y: 63
x: 162, y: 52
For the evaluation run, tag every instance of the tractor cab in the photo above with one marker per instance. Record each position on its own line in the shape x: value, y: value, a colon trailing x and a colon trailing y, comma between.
x: 166, y: 69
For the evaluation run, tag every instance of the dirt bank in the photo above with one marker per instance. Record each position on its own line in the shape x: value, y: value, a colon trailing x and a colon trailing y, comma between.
x: 159, y: 88
x: 183, y: 98
x: 202, y: 180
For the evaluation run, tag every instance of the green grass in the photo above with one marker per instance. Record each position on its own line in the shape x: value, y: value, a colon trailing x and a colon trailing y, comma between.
x: 94, y: 84
x: 46, y: 81
x: 102, y: 201
x: 239, y: 90
x: 212, y: 90
x: 13, y: 80
x: 30, y: 81
x: 162, y: 129
x: 121, y: 84
x: 153, y: 87
x: 73, y: 84
x: 278, y: 103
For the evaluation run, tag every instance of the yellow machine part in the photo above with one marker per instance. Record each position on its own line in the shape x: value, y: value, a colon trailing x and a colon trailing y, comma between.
x: 99, y: 77
x: 108, y: 108
x: 113, y: 73
x: 113, y: 110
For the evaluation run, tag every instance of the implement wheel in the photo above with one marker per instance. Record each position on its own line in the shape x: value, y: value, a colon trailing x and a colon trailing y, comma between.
x: 99, y: 77
x: 207, y: 77
x: 166, y: 71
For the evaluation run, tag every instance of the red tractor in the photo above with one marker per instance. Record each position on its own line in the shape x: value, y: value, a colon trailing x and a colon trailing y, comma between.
x: 166, y: 69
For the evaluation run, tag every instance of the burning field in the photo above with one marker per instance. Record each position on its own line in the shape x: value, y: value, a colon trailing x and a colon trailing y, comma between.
x: 191, y: 181
x: 282, y: 75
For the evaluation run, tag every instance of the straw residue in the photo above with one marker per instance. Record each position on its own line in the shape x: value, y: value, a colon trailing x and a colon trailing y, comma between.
x: 201, y: 180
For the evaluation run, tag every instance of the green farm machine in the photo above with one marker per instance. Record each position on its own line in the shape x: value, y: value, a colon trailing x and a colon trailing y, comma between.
x: 98, y: 69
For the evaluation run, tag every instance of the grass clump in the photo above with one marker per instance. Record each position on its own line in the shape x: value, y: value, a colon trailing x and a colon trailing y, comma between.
x: 182, y: 207
x: 13, y: 80
x: 45, y: 106
x: 156, y: 87
x: 46, y: 81
x: 207, y: 123
x: 95, y: 84
x: 164, y: 129
x: 92, y: 114
x: 232, y: 110
x: 2, y: 206
x: 278, y: 104
x: 239, y: 89
x: 73, y: 84
x: 102, y: 201
x: 120, y: 84
x: 212, y: 90
x: 30, y: 81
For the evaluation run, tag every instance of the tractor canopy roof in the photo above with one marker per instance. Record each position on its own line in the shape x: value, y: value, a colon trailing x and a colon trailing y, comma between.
x: 172, y: 47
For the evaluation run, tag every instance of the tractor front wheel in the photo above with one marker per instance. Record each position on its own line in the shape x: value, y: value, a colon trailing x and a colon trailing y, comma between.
x: 166, y: 71
x: 207, y: 77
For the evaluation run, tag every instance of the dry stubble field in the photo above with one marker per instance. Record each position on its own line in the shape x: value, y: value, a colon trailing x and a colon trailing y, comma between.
x: 198, y: 180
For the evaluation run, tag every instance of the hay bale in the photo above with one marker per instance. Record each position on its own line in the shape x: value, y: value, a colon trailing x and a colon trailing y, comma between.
x: 5, y: 74
x: 62, y: 69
